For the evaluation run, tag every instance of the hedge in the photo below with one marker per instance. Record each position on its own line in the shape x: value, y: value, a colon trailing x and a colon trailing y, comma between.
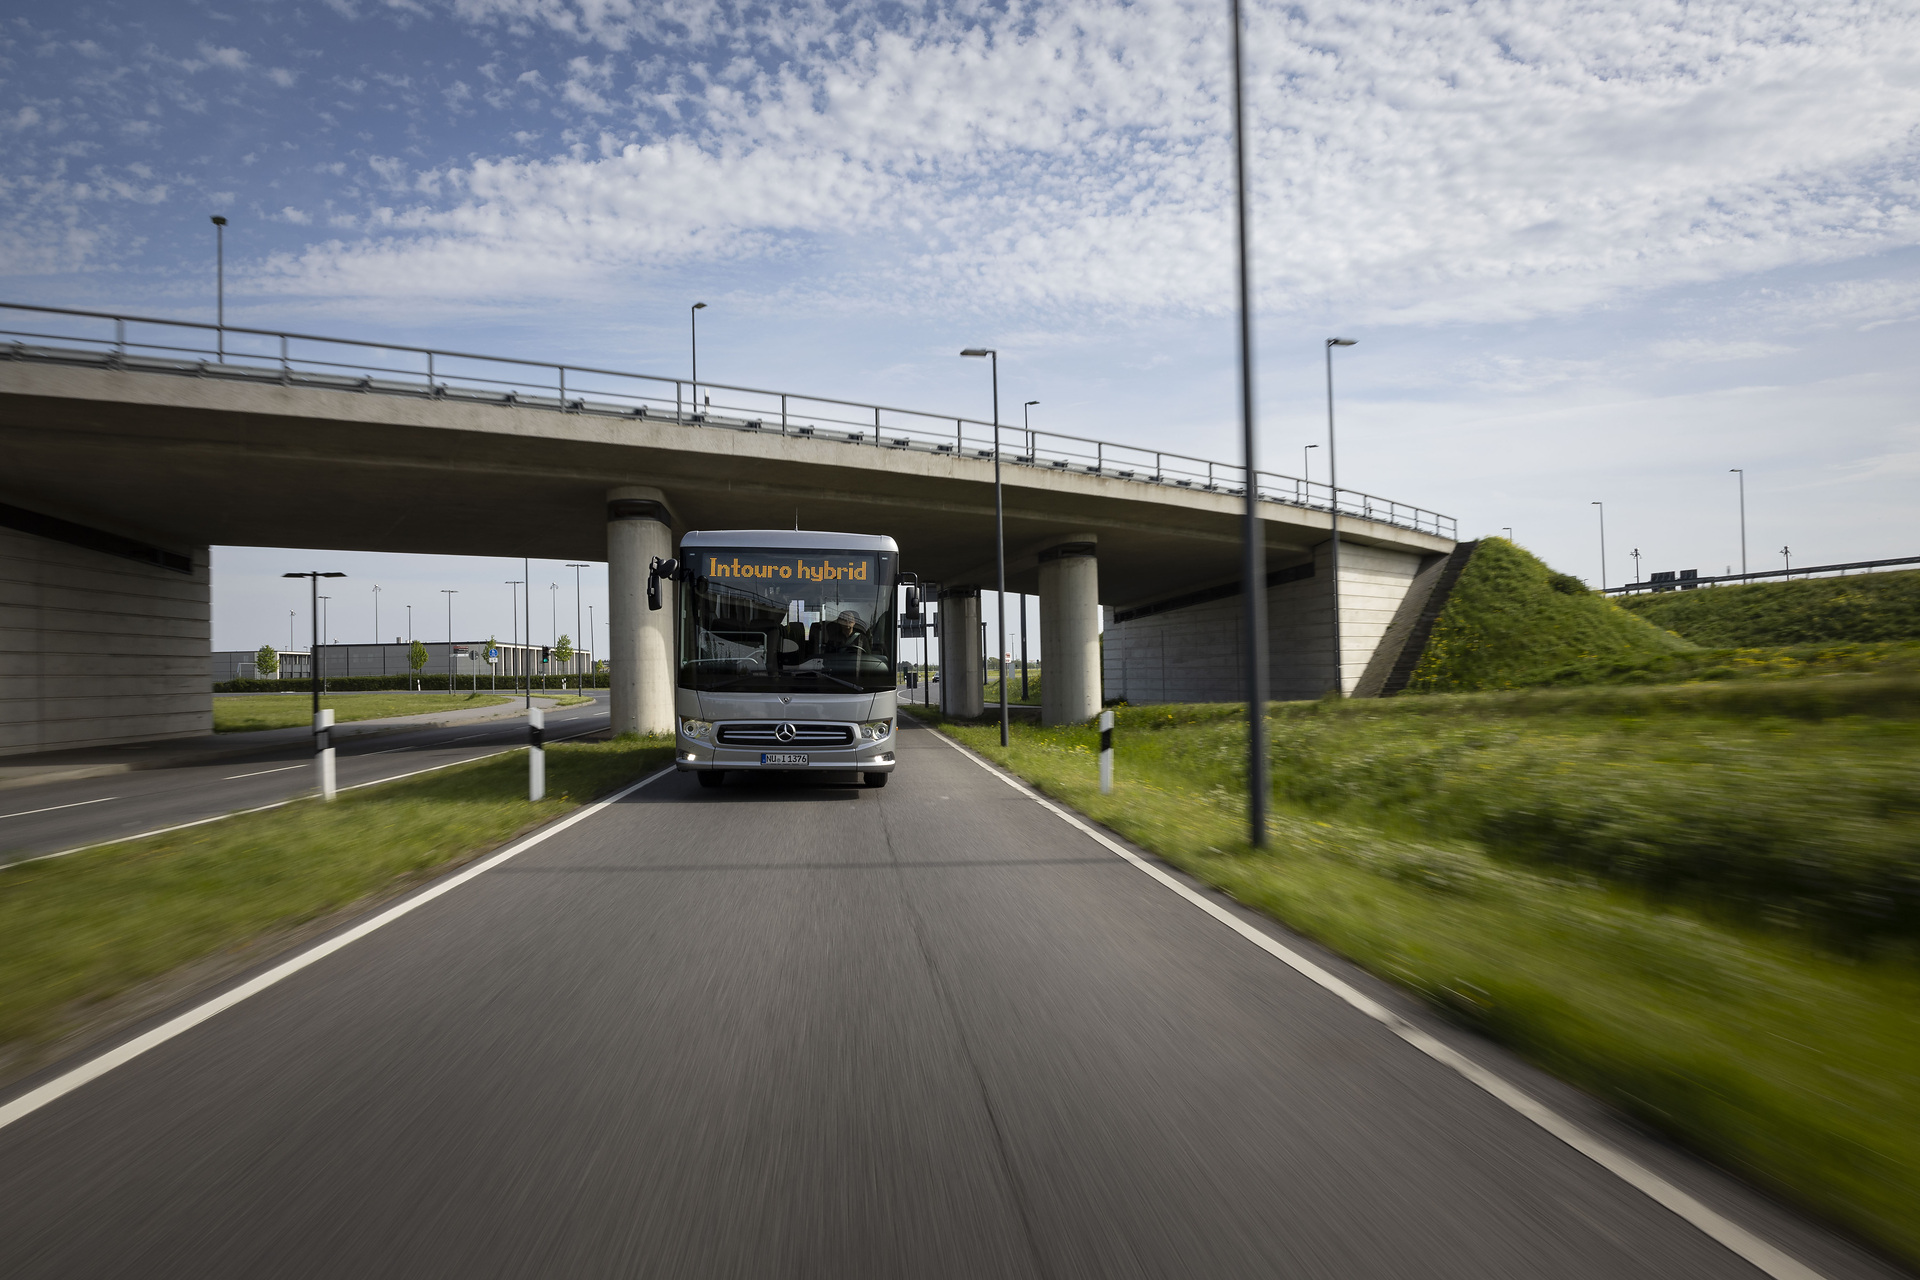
x: 428, y: 684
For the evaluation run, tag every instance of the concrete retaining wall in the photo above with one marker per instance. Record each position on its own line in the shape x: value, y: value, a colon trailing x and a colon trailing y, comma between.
x: 97, y: 650
x: 1193, y: 654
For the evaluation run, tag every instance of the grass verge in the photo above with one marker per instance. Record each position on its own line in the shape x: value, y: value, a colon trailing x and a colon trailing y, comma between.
x: 78, y: 932
x: 1758, y: 1046
x: 283, y: 711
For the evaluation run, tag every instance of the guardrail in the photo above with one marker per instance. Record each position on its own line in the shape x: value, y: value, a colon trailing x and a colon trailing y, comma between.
x: 1804, y: 571
x: 147, y: 344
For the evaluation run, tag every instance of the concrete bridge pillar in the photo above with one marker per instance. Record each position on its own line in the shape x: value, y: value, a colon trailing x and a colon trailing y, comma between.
x: 1070, y: 632
x: 640, y: 648
x: 961, y: 693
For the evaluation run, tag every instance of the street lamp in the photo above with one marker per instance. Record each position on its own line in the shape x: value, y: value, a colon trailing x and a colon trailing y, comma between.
x: 1636, y: 566
x: 1603, y: 543
x: 1786, y: 553
x: 1508, y: 530
x: 1026, y: 690
x: 999, y: 531
x: 1306, y: 463
x: 449, y: 595
x: 376, y: 629
x: 1253, y: 571
x: 220, y: 283
x: 323, y: 623
x: 1741, y: 472
x: 313, y: 658
x: 693, y: 325
x: 515, y: 584
x: 577, y: 640
x: 1333, y: 507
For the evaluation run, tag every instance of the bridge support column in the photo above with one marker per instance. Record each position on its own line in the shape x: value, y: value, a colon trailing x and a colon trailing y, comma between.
x: 1069, y: 632
x: 640, y: 650
x: 961, y: 693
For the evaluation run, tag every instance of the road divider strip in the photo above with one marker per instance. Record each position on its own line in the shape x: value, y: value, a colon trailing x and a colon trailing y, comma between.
x: 1723, y: 1230
x: 277, y: 804
x: 92, y: 1069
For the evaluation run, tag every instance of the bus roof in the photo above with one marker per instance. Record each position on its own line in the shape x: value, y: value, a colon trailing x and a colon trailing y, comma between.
x: 789, y: 540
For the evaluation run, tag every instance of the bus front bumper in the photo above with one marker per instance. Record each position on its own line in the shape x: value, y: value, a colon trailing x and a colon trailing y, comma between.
x: 694, y: 756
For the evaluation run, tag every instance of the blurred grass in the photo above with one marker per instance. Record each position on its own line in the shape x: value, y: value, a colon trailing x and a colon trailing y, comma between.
x: 79, y: 930
x: 1750, y: 1036
x: 281, y: 711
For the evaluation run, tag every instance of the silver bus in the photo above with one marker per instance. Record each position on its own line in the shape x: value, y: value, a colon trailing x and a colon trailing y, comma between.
x: 787, y: 652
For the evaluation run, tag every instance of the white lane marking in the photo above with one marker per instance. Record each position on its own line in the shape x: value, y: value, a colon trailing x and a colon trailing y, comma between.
x: 50, y: 808
x: 1734, y: 1237
x: 260, y: 772
x: 28, y: 1103
x: 277, y: 804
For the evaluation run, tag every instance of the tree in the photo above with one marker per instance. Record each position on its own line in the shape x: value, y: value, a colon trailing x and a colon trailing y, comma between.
x: 563, y: 653
x: 266, y: 662
x: 417, y: 659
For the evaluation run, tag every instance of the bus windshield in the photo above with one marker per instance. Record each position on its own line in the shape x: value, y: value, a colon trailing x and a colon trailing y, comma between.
x: 763, y: 621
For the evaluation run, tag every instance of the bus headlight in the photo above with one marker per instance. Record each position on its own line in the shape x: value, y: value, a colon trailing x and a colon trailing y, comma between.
x: 874, y: 730
x: 700, y: 730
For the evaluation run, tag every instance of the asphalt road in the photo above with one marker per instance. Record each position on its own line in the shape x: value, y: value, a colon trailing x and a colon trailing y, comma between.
x: 64, y: 815
x: 810, y: 1030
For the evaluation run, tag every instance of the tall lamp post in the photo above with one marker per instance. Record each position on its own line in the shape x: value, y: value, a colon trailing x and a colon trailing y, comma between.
x: 999, y: 531
x: 1603, y: 544
x: 376, y: 629
x: 220, y: 284
x: 1333, y: 507
x: 578, y: 639
x: 1741, y: 472
x: 449, y: 595
x: 1253, y: 570
x: 323, y: 630
x: 1026, y: 690
x: 693, y: 328
x: 322, y: 742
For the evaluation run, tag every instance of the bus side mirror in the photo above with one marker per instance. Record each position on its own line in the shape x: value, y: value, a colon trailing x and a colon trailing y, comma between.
x: 657, y: 570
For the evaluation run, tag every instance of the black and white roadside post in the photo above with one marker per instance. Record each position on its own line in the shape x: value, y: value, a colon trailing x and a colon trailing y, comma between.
x: 322, y: 720
x: 1106, y: 752
x: 536, y: 754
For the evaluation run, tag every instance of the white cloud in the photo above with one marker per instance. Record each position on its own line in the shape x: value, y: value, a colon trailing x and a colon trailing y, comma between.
x: 1704, y: 351
x: 1417, y: 162
x: 24, y: 118
x: 281, y: 76
x: 295, y: 216
x: 217, y: 56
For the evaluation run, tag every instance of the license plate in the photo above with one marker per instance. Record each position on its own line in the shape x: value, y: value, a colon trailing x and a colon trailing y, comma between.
x: 780, y: 757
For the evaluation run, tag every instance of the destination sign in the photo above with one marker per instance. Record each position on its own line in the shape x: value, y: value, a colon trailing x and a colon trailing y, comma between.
x: 787, y: 567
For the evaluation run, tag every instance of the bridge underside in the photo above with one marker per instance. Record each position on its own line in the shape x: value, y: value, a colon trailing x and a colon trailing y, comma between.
x: 181, y: 463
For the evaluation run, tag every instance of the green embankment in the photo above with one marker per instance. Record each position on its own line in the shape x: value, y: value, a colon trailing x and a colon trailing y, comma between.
x: 1871, y: 608
x: 281, y: 711
x: 79, y: 931
x: 1702, y: 903
x: 1511, y: 622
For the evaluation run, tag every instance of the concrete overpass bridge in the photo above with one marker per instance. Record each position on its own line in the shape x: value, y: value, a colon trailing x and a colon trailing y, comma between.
x: 134, y: 444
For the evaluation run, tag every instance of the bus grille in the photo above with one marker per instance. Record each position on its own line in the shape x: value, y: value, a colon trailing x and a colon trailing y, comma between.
x: 805, y: 734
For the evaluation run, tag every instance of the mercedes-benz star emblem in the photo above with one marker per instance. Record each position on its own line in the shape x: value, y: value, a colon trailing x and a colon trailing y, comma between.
x: 785, y: 732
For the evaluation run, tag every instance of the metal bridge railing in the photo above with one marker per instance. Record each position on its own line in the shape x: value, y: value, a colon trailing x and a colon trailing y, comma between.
x: 184, y: 347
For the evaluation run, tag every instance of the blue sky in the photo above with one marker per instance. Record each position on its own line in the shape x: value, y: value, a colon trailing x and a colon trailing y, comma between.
x: 1591, y: 251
